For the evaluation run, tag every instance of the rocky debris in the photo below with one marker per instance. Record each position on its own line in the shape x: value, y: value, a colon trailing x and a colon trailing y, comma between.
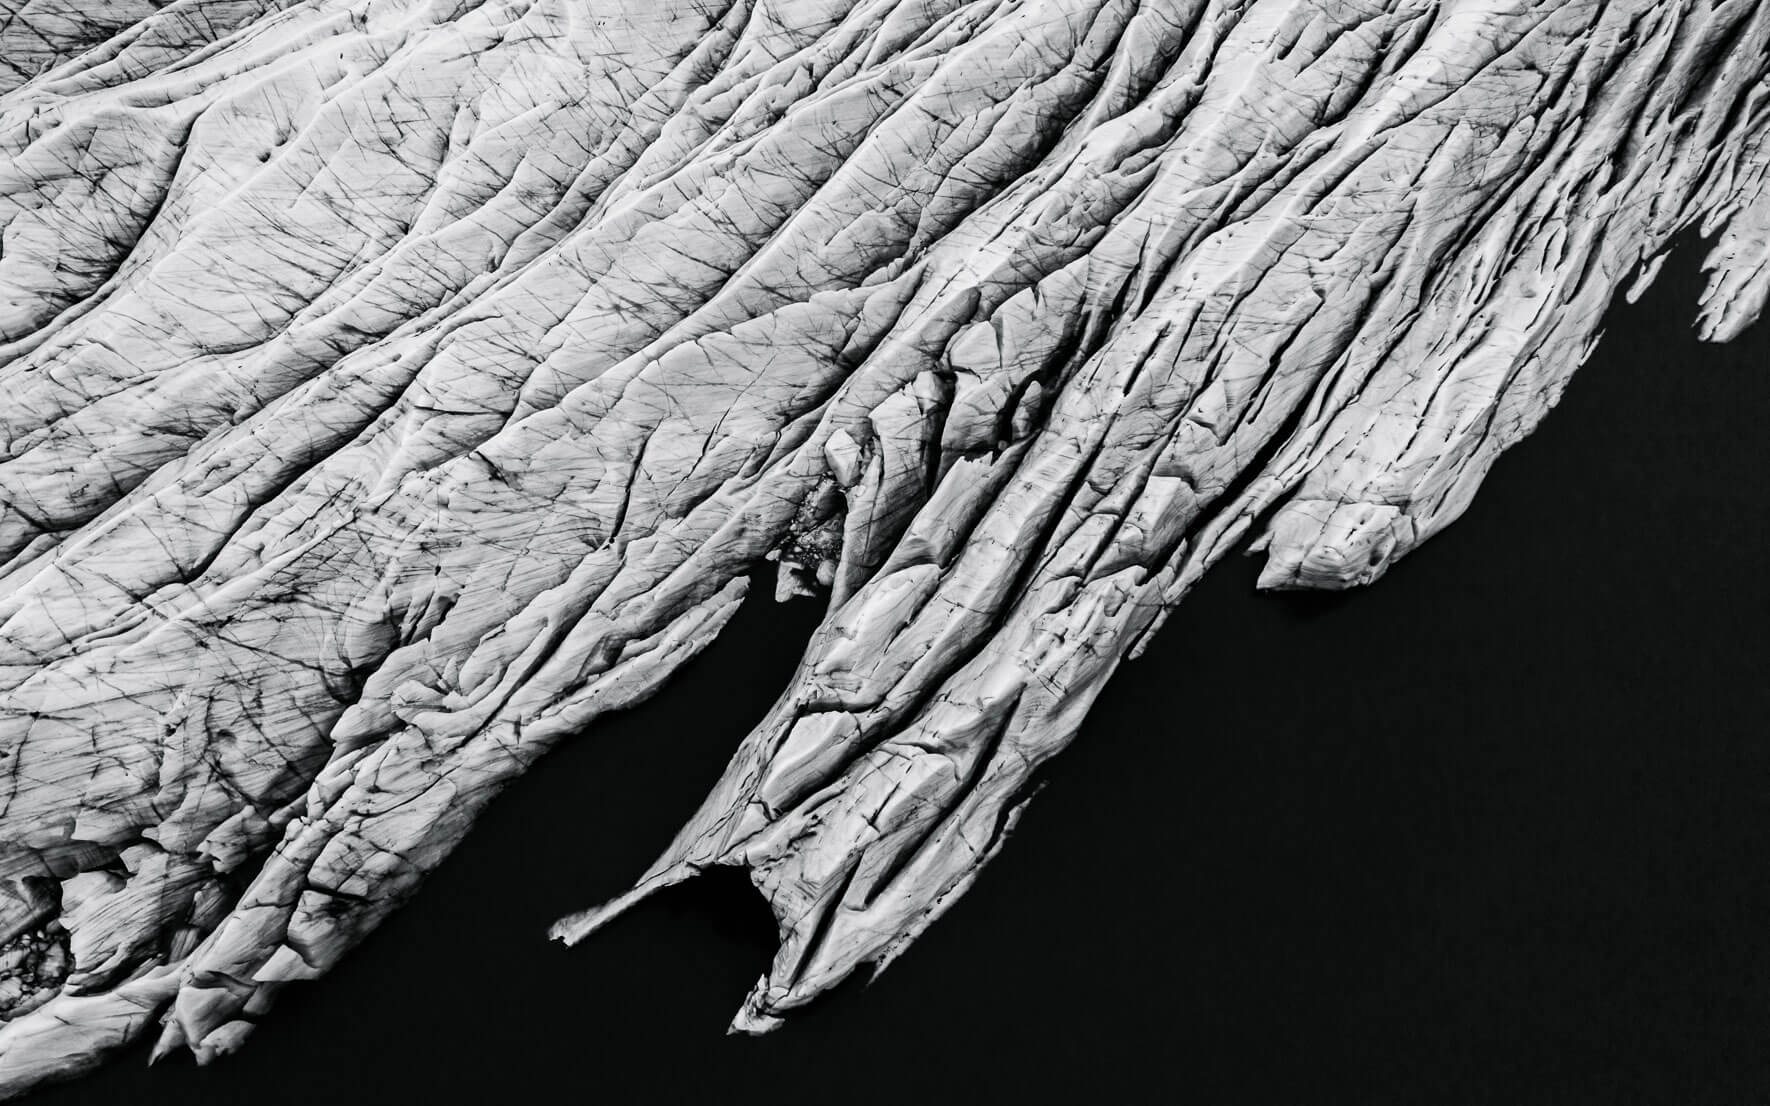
x: 396, y: 386
x: 33, y: 967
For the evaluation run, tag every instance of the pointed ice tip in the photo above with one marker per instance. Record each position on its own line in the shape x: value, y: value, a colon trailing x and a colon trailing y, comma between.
x: 575, y: 927
x: 171, y: 1040
x: 752, y: 1022
x: 754, y: 1018
x: 1276, y: 576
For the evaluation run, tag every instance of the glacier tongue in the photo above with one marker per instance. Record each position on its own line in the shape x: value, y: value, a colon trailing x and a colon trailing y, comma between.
x: 394, y: 386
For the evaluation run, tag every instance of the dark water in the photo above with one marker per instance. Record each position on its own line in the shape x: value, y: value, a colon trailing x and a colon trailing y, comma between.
x: 1496, y: 831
